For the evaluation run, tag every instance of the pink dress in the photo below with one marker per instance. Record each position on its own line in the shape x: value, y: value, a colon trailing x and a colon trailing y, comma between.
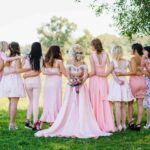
x: 52, y: 96
x: 138, y: 86
x: 76, y: 117
x: 99, y: 90
x: 11, y: 85
x: 33, y: 80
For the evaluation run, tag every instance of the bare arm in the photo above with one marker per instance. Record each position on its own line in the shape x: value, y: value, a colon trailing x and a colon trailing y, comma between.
x: 85, y: 76
x: 92, y: 67
x: 22, y: 70
x: 109, y: 70
x: 132, y: 68
x: 9, y: 59
x: 1, y: 64
x: 108, y: 61
x: 63, y: 69
x: 49, y: 73
x: 31, y: 74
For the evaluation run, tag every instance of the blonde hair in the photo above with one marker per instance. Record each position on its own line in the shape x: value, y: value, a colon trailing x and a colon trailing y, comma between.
x: 117, y: 52
x: 3, y: 45
x: 76, y: 52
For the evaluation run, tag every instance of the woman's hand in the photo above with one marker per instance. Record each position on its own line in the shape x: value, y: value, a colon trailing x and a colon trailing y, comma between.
x: 25, y: 76
x: 121, y: 82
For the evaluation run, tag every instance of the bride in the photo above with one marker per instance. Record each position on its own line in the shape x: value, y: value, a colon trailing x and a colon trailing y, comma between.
x: 76, y: 118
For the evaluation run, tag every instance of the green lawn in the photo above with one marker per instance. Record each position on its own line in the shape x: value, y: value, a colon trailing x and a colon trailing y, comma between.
x: 23, y: 139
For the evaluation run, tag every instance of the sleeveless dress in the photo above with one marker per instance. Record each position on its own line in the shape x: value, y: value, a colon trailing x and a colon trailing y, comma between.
x: 33, y: 82
x: 52, y: 96
x: 11, y: 85
x: 76, y: 117
x: 138, y: 86
x: 99, y: 89
x: 117, y: 92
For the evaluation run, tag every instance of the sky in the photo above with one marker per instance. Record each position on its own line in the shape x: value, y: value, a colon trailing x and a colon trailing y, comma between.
x: 19, y: 19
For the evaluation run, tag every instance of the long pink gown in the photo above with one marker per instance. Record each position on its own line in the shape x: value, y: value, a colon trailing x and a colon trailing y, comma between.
x: 76, y: 117
x: 99, y: 90
x: 52, y: 96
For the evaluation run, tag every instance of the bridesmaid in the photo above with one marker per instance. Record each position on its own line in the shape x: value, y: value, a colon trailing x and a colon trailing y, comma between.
x: 119, y: 89
x: 32, y: 66
x: 137, y: 84
x: 3, y: 57
x: 98, y: 87
x: 52, y: 85
x: 11, y: 85
x: 76, y: 118
x: 146, y: 71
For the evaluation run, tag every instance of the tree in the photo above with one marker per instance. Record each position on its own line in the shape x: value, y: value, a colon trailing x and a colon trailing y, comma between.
x: 85, y: 41
x: 132, y: 17
x: 57, y: 31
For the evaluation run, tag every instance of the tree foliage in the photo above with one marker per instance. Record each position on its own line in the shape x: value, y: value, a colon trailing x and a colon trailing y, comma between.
x: 132, y: 17
x: 85, y: 41
x: 58, y: 31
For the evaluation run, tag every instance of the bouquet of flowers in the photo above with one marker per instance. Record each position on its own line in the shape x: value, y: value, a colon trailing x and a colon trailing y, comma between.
x: 75, y: 82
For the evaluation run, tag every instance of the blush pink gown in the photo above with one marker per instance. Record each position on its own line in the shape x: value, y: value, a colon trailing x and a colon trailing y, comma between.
x: 52, y: 96
x: 76, y: 117
x: 99, y: 90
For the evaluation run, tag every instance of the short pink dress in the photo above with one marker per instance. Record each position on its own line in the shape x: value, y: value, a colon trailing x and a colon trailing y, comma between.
x: 11, y: 85
x: 138, y: 86
x: 52, y: 95
x: 99, y: 90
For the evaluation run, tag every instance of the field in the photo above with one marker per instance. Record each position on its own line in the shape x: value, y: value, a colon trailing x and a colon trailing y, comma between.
x: 23, y: 139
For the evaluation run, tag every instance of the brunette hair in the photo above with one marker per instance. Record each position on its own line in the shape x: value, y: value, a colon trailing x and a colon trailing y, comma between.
x: 137, y: 47
x: 14, y: 49
x: 147, y: 48
x: 97, y: 44
x: 52, y: 54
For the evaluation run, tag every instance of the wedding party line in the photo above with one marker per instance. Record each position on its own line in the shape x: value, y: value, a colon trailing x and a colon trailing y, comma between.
x: 86, y: 109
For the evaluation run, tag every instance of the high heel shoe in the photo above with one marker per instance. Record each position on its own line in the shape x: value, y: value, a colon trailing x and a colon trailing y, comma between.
x: 36, y: 126
x: 137, y: 127
x: 131, y: 125
x: 50, y: 124
x: 28, y: 124
x: 41, y: 125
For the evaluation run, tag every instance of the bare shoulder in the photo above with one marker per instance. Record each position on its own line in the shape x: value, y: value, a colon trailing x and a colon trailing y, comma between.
x: 105, y: 54
x: 133, y: 59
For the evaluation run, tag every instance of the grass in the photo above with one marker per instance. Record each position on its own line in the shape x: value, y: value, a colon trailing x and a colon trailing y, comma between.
x: 23, y: 139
